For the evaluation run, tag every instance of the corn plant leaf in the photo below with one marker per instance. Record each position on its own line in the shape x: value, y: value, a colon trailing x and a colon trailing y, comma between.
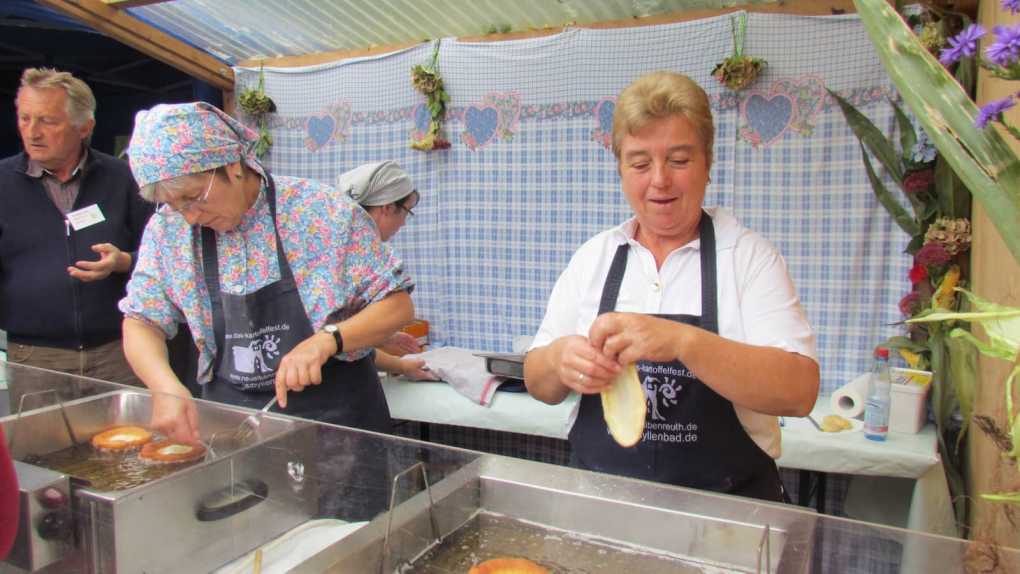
x: 901, y: 342
x: 900, y: 215
x: 907, y: 135
x: 1011, y: 497
x: 963, y: 378
x: 953, y: 199
x: 982, y: 159
x: 984, y: 348
x: 871, y: 138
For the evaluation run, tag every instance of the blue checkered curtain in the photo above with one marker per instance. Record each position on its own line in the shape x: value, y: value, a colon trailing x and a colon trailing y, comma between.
x: 530, y: 175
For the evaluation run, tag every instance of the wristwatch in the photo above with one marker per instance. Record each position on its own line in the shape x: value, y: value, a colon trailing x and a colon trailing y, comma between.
x: 334, y: 329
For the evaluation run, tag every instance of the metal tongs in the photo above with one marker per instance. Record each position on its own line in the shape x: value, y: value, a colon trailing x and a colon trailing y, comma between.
x: 250, y: 425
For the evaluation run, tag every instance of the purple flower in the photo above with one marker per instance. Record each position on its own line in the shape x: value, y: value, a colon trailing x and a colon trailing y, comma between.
x: 1011, y: 5
x: 923, y: 151
x: 964, y: 44
x: 1006, y: 48
x: 993, y: 111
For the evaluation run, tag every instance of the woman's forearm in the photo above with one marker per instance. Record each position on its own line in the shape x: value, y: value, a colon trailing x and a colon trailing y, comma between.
x: 146, y: 352
x: 541, y: 376
x: 374, y: 324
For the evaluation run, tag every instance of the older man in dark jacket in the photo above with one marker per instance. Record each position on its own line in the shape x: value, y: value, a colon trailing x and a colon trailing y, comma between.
x: 70, y: 221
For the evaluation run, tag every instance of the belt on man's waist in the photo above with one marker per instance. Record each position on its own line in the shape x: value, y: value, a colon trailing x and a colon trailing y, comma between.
x: 90, y: 342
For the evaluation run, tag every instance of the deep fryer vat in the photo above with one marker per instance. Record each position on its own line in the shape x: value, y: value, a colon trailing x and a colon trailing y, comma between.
x: 643, y: 520
x: 193, y: 519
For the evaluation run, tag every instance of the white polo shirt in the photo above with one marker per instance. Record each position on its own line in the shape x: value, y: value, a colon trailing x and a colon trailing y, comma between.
x: 757, y: 301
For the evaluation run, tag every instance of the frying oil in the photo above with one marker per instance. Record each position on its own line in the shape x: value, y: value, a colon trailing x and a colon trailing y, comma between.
x: 104, y: 471
x: 489, y: 535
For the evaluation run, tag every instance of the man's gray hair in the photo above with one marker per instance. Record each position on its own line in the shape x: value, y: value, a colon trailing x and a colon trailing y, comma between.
x: 81, y: 103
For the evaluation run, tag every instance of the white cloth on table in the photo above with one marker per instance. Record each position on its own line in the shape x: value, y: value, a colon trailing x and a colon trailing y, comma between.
x: 463, y: 371
x: 757, y: 301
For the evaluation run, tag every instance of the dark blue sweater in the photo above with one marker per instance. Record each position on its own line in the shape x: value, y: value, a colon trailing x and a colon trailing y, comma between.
x: 40, y: 304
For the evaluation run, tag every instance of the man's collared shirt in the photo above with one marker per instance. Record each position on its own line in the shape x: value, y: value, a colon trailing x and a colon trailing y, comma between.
x: 63, y: 193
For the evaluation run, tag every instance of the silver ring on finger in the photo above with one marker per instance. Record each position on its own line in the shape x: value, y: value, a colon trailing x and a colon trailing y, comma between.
x: 580, y: 377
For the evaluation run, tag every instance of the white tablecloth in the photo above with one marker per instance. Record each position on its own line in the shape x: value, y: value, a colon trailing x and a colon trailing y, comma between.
x: 899, y: 482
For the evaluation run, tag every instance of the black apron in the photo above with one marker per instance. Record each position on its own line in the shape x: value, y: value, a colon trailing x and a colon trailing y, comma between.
x: 692, y: 435
x: 253, y: 332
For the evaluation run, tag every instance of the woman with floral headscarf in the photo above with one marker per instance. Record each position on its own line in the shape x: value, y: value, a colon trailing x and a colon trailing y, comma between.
x: 284, y: 283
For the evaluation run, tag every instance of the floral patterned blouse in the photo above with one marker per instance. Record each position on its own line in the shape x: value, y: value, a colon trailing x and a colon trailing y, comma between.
x: 339, y: 263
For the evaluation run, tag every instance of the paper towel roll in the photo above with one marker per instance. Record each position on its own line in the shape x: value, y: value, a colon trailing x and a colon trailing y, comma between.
x: 848, y: 400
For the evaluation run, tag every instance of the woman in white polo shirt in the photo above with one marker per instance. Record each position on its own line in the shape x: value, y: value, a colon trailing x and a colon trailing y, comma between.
x: 703, y: 305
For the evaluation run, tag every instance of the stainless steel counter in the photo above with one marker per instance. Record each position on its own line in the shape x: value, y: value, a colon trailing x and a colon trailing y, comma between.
x: 477, y: 506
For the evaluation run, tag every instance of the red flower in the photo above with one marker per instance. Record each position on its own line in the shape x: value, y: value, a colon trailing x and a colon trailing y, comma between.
x: 910, y: 304
x: 932, y: 255
x: 917, y: 273
x: 918, y: 181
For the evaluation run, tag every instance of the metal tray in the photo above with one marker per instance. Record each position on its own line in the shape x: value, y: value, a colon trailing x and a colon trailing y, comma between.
x: 569, y: 520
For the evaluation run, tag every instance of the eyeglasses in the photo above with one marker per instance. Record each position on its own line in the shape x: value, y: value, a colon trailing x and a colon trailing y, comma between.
x: 414, y: 195
x: 406, y: 209
x: 165, y: 209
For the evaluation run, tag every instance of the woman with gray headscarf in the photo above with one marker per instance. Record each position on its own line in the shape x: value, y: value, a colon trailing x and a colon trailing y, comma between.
x: 385, y: 191
x: 284, y: 283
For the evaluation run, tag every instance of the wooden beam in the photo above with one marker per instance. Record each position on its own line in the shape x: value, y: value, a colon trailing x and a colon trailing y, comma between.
x: 148, y: 40
x: 124, y: 4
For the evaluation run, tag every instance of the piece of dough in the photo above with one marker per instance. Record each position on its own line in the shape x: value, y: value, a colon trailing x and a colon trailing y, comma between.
x: 121, y: 438
x: 507, y: 566
x: 835, y: 423
x: 623, y: 407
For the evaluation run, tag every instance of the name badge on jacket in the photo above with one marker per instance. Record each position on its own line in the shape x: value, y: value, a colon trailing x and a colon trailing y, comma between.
x: 85, y: 217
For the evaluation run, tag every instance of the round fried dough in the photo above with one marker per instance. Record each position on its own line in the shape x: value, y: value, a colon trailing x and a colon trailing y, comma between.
x: 835, y: 423
x: 121, y: 438
x: 507, y: 566
x: 167, y: 451
x: 623, y: 407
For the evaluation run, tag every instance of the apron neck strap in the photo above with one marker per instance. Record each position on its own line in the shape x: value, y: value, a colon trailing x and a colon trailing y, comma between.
x: 210, y: 262
x: 709, y: 297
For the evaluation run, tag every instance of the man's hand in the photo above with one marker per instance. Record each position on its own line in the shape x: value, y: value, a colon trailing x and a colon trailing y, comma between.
x: 111, y: 259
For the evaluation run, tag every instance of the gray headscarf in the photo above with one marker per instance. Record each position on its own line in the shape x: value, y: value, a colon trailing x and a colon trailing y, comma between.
x: 375, y: 184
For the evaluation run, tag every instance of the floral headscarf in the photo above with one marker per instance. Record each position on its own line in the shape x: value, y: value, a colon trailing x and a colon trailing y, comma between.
x: 171, y: 140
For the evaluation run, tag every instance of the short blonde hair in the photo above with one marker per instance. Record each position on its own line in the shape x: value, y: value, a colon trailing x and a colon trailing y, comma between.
x: 81, y: 103
x: 659, y: 95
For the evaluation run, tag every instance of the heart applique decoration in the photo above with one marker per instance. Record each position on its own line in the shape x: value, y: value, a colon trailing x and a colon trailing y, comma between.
x: 480, y: 123
x: 603, y: 132
x: 768, y: 117
x: 319, y: 131
x: 508, y: 105
x: 810, y: 94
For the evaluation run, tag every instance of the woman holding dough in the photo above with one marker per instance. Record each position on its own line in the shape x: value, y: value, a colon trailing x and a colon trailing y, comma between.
x: 704, y: 306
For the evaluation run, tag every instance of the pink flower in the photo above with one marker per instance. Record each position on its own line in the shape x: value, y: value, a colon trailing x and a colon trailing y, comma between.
x: 918, y: 181
x: 917, y: 273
